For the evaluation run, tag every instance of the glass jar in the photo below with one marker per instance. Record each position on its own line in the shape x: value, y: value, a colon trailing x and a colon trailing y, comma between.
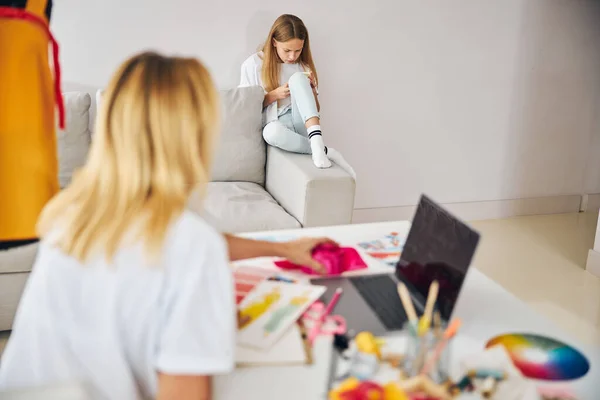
x: 427, y: 350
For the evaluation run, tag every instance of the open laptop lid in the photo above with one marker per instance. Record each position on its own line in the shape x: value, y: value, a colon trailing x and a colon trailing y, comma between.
x: 438, y: 247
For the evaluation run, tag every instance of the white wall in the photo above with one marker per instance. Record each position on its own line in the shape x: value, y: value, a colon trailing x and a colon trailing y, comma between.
x: 467, y: 100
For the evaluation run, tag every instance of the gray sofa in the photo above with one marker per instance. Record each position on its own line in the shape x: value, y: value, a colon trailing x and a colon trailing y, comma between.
x: 253, y: 187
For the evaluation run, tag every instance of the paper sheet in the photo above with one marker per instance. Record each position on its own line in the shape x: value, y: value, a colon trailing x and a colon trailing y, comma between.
x: 386, y: 249
x: 288, y: 350
x: 247, y: 277
x: 271, y: 308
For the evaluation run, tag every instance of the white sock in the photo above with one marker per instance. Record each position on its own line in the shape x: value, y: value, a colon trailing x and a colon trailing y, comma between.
x: 338, y: 159
x: 317, y: 147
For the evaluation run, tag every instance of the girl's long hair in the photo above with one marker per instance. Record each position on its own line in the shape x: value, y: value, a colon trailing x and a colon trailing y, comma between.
x: 286, y: 27
x: 152, y: 147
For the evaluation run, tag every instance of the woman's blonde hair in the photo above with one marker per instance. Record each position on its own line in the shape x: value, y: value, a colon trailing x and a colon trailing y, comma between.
x: 152, y: 147
x: 285, y: 28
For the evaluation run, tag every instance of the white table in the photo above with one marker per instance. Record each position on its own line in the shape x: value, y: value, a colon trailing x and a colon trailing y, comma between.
x: 486, y: 310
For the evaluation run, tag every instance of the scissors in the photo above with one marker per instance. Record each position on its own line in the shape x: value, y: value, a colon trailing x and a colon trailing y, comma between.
x: 322, y: 322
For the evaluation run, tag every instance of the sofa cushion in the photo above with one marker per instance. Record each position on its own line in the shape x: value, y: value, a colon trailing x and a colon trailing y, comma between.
x: 74, y: 141
x: 241, y: 207
x: 18, y: 259
x: 241, y: 151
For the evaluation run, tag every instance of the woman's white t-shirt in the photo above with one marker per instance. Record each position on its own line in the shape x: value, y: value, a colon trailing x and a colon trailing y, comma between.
x: 114, y: 326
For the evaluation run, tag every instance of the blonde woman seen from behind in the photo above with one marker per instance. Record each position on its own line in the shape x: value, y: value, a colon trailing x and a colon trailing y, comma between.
x: 130, y: 293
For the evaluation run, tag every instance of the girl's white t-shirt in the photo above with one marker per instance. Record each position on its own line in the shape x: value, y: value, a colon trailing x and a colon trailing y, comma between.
x: 112, y: 327
x: 251, y: 75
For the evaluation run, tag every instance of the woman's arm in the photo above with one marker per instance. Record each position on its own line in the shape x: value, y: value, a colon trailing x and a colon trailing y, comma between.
x: 242, y: 249
x: 314, y: 89
x: 197, y: 336
x: 184, y: 387
x: 297, y: 251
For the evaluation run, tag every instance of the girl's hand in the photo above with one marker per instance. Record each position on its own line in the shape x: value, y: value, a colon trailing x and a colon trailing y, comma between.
x: 313, y: 82
x: 281, y: 92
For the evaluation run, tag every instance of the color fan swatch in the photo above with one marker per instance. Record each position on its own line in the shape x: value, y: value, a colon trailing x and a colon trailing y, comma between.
x: 540, y: 357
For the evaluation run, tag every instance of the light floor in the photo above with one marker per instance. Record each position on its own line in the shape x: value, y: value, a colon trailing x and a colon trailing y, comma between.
x: 541, y: 260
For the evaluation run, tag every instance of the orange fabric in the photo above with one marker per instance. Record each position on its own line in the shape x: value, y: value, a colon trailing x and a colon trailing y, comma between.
x: 17, y: 13
x: 28, y: 158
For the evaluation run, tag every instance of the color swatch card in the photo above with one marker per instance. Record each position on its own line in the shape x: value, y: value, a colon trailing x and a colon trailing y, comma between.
x: 247, y: 277
x: 270, y: 309
x: 387, y: 248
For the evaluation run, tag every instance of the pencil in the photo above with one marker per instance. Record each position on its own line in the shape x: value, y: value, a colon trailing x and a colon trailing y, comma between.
x: 317, y: 325
x: 425, y: 322
x: 332, y: 303
x: 409, y: 308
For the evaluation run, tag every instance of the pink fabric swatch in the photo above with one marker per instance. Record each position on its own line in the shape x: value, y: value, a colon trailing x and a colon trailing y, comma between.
x: 335, y: 259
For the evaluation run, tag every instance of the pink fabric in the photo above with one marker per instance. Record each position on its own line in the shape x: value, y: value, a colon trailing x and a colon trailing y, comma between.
x: 336, y: 260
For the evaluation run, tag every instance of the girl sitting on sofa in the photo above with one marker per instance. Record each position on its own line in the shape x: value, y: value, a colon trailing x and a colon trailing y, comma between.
x: 286, y: 71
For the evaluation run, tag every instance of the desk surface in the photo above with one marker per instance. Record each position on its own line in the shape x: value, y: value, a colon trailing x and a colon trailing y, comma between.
x: 485, y: 308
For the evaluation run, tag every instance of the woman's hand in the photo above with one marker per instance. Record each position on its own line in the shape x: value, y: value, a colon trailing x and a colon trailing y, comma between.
x: 300, y: 252
x: 297, y: 251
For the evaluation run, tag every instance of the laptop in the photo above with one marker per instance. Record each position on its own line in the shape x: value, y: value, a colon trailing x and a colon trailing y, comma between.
x: 438, y: 247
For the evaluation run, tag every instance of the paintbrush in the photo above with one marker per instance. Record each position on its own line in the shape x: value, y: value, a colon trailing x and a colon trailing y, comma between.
x: 448, y: 334
x: 409, y: 308
x: 437, y: 325
x: 425, y: 321
x: 420, y: 358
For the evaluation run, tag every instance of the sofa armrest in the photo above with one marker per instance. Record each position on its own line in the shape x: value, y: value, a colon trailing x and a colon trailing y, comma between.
x: 315, y: 197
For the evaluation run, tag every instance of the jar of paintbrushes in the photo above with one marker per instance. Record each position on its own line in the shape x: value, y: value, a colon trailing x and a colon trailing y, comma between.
x: 426, y: 353
x: 428, y: 339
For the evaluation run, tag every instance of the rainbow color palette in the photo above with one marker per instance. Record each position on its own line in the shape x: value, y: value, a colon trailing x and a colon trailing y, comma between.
x: 540, y: 357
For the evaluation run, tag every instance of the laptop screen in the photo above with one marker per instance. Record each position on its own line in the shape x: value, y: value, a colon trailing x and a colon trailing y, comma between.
x: 438, y: 247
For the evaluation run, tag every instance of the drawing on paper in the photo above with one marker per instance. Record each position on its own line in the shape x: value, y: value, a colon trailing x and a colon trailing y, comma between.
x: 257, y: 308
x: 271, y: 308
x: 386, y: 249
x: 279, y: 315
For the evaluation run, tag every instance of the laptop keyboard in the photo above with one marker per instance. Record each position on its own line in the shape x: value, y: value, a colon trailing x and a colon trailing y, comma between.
x: 381, y: 294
